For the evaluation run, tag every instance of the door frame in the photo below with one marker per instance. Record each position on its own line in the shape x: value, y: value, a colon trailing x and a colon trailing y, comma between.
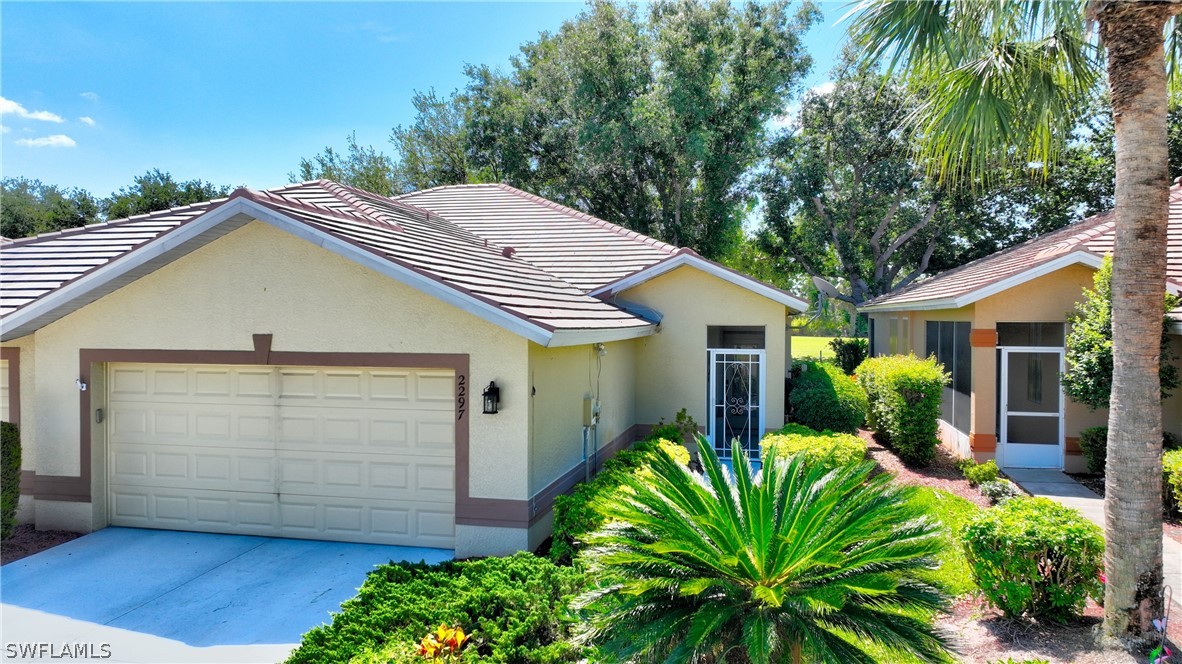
x: 1003, y: 444
x: 711, y: 393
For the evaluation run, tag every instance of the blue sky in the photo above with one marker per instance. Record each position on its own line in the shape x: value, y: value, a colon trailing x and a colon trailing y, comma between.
x: 236, y: 93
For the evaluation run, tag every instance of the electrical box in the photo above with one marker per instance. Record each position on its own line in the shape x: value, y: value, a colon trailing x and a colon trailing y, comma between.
x: 590, y: 412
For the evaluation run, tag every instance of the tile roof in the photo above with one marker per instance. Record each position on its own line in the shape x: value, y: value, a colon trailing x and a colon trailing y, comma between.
x: 544, y: 280
x: 573, y: 246
x: 1094, y: 235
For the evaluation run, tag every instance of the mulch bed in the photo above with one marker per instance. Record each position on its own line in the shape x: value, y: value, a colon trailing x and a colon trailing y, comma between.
x: 941, y: 474
x: 27, y: 540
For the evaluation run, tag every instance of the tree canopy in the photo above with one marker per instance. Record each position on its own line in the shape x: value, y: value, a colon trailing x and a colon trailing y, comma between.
x: 157, y: 190
x: 31, y: 207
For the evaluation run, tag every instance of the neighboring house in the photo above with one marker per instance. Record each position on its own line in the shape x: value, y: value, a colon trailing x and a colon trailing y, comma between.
x: 311, y: 361
x: 998, y: 325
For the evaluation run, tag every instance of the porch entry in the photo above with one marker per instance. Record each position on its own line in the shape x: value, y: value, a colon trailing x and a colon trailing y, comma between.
x: 1031, y: 407
x: 737, y: 399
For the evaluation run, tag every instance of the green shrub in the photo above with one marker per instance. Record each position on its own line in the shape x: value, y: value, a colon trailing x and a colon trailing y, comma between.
x: 825, y: 398
x: 999, y: 491
x: 828, y: 447
x: 1171, y: 463
x: 1093, y: 441
x: 573, y: 516
x: 904, y: 394
x: 10, y: 476
x: 511, y: 607
x: 849, y: 353
x: 1036, y: 557
x: 979, y: 473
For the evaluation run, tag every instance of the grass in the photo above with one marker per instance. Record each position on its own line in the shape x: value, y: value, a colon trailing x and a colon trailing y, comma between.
x: 954, y: 512
x: 811, y: 347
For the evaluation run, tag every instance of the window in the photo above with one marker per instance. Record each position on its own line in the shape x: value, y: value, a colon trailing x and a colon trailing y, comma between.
x: 948, y: 342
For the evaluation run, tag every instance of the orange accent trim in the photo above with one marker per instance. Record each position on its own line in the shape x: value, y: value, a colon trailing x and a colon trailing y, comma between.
x: 982, y: 442
x: 983, y: 338
x: 1072, y: 445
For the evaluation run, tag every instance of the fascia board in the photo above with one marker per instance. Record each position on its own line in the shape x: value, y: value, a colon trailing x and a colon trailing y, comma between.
x: 708, y: 267
x: 583, y: 337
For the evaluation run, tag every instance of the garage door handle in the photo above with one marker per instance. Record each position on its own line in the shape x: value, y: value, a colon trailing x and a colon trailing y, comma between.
x: 98, y: 415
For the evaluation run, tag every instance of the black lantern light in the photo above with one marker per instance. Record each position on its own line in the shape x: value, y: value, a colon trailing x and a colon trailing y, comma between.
x: 492, y: 398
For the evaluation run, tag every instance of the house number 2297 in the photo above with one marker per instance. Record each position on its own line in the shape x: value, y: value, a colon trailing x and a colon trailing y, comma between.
x: 461, y: 395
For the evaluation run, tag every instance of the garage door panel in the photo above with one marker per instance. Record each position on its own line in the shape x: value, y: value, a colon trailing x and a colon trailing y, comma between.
x: 348, y: 454
x: 4, y: 414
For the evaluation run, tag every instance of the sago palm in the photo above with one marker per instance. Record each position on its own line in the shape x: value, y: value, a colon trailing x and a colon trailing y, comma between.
x: 801, y: 563
x: 1004, y: 77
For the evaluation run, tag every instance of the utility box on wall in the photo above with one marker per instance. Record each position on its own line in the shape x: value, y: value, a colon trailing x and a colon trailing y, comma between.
x: 590, y: 412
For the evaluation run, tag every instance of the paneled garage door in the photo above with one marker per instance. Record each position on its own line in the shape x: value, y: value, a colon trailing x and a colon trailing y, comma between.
x: 362, y: 455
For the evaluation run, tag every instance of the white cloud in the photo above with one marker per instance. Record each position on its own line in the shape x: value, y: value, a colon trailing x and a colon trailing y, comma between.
x: 824, y: 88
x: 55, y: 141
x: 87, y: 120
x: 8, y: 106
x: 92, y: 96
x: 4, y: 129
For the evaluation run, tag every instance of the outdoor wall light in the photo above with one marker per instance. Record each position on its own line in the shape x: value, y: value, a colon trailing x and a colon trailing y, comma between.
x: 81, y: 385
x: 492, y: 398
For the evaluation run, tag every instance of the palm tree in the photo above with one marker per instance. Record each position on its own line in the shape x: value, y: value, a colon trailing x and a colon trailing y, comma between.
x: 1008, y: 75
x: 803, y: 563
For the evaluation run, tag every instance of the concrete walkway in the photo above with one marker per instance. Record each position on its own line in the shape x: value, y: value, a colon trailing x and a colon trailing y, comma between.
x: 1057, y: 486
x: 135, y: 595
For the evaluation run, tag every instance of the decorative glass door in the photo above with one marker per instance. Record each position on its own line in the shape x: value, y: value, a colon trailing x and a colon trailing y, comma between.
x: 736, y: 400
x: 1031, y: 407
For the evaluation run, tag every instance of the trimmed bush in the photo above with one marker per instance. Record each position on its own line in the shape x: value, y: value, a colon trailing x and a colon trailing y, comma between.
x: 1171, y: 463
x: 828, y: 447
x: 979, y: 473
x: 999, y: 491
x: 1035, y: 557
x: 512, y: 608
x: 825, y: 398
x: 904, y: 394
x: 10, y: 476
x: 849, y: 353
x: 1093, y: 441
x: 573, y: 516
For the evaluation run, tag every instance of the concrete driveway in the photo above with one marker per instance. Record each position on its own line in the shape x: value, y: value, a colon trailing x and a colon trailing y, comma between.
x: 139, y: 595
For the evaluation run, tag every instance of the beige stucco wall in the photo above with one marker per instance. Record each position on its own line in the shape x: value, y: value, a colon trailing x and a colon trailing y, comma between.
x: 563, y: 378
x: 259, y: 279
x: 671, y: 365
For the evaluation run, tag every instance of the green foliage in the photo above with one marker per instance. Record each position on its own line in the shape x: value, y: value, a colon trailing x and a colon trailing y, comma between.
x: 10, y: 476
x: 824, y: 560
x: 952, y: 570
x: 28, y: 207
x: 362, y: 167
x: 979, y: 473
x: 683, y: 429
x: 1033, y: 556
x: 823, y: 397
x: 156, y: 190
x: 849, y: 353
x: 825, y: 447
x: 999, y: 491
x: 574, y: 517
x: 1093, y: 441
x: 904, y: 394
x: 1089, y: 345
x: 1171, y: 463
x: 511, y: 606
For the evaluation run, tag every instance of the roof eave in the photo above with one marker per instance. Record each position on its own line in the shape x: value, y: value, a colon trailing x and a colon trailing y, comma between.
x: 581, y: 337
x: 714, y: 269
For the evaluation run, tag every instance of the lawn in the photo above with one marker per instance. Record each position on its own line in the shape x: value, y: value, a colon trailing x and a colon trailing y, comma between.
x: 811, y: 347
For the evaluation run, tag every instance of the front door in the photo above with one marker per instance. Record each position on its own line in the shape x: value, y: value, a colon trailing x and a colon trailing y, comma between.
x: 1031, y: 407
x: 736, y: 399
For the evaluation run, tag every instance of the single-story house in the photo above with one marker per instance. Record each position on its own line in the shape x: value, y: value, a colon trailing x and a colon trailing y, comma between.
x: 998, y: 326
x: 320, y: 362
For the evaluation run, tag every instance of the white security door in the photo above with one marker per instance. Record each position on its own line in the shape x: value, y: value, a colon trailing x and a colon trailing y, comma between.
x: 1031, y: 407
x: 736, y: 400
x: 364, y: 455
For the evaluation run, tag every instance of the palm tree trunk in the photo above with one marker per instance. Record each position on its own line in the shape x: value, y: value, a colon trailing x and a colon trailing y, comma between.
x: 1132, y: 34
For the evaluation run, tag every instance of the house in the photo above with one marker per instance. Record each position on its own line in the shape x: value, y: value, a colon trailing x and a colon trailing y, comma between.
x: 998, y: 326
x: 314, y: 361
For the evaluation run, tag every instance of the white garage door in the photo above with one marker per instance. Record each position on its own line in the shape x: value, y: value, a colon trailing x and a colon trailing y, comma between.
x: 4, y: 414
x: 363, y: 455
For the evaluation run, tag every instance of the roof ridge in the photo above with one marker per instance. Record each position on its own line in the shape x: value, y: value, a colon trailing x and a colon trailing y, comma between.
x: 345, y: 194
x: 596, y: 221
x: 210, y: 204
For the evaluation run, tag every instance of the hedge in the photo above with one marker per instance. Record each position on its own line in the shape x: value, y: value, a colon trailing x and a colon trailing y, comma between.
x: 1171, y: 463
x: 10, y: 476
x: 904, y: 394
x: 1035, y: 557
x: 849, y: 353
x: 512, y: 607
x: 827, y: 447
x: 823, y: 397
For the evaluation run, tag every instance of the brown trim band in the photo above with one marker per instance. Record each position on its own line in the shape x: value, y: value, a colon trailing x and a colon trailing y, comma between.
x: 982, y: 442
x: 983, y: 338
x: 12, y: 355
x: 1071, y: 445
x: 27, y: 478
